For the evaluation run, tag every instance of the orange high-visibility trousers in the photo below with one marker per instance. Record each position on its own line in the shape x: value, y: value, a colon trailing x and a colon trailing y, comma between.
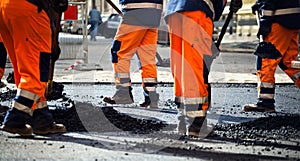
x: 26, y: 35
x: 286, y: 42
x: 130, y: 40
x: 191, y: 40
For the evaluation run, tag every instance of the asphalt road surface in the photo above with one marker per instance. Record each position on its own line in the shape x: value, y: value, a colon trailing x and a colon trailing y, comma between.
x: 99, y: 131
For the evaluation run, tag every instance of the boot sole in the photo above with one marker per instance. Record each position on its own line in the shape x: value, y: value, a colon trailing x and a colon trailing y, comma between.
x: 257, y: 109
x: 52, y: 129
x: 15, y: 131
x: 49, y: 132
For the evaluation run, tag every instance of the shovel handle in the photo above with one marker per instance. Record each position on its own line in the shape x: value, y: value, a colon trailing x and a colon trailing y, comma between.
x: 115, y: 7
x: 224, y: 28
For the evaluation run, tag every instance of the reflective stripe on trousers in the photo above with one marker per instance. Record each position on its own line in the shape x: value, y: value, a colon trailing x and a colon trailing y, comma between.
x: 149, y: 84
x: 123, y: 79
x: 27, y: 101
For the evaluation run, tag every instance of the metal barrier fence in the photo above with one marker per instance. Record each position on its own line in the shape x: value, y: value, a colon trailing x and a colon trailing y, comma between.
x: 75, y: 46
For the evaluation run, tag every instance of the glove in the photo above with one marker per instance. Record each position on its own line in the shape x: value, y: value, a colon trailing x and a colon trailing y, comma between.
x: 255, y: 7
x: 60, y: 5
x: 235, y: 5
x: 265, y: 27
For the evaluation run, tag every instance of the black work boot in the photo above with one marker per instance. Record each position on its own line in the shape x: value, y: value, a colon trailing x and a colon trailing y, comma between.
x: 16, y: 121
x: 262, y: 105
x: 123, y: 95
x: 43, y: 123
x: 151, y: 99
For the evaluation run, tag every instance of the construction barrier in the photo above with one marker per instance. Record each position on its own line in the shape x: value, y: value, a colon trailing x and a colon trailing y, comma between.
x: 73, y: 37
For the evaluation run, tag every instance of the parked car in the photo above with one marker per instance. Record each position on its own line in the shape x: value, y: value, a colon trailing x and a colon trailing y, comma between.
x: 104, y: 17
x: 77, y: 27
x: 66, y: 26
x: 109, y: 27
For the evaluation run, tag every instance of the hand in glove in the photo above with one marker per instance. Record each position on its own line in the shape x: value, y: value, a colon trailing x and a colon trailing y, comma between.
x: 60, y: 5
x: 264, y: 27
x: 235, y: 5
x: 255, y: 7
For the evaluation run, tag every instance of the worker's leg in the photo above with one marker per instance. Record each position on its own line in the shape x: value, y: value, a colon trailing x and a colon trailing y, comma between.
x: 147, y: 57
x: 284, y: 41
x: 29, y: 50
x: 127, y: 40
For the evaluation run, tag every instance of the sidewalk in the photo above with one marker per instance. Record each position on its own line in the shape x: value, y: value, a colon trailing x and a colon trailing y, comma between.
x: 236, y: 64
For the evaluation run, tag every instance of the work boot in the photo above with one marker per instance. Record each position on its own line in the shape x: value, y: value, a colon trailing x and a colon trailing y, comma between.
x: 50, y: 129
x: 23, y: 131
x: 15, y: 122
x: 123, y: 95
x: 197, y: 122
x: 262, y: 105
x: 43, y: 123
x: 200, y: 128
x: 151, y: 99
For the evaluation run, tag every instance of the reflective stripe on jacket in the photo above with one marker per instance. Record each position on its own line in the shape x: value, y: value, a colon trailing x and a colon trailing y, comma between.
x: 284, y: 12
x: 142, y: 12
x: 214, y: 11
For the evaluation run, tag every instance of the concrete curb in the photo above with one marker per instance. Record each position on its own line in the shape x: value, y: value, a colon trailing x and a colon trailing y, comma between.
x: 164, y: 77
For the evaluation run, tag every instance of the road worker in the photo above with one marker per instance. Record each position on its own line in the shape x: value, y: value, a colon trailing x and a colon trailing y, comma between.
x: 26, y: 32
x: 137, y: 33
x: 191, y: 28
x: 279, y: 28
